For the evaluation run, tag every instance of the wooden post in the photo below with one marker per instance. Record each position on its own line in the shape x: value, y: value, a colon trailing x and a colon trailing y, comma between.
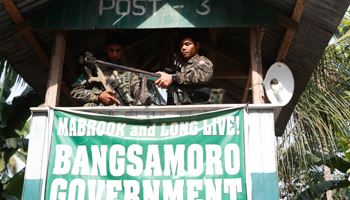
x: 288, y: 36
x: 256, y: 66
x: 213, y: 32
x: 55, y: 73
x: 247, y: 86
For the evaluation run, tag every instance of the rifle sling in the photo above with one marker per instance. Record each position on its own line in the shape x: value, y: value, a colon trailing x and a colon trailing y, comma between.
x: 142, y: 92
x: 137, y: 98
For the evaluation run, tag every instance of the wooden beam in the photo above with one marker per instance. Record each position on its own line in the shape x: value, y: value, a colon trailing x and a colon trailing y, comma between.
x: 224, y: 53
x: 298, y: 10
x: 213, y: 32
x: 28, y: 35
x: 249, y: 80
x: 23, y: 27
x: 20, y: 28
x: 288, y: 23
x: 288, y: 36
x: 153, y: 61
x: 165, y: 55
x: 229, y: 73
x: 70, y: 66
x: 67, y: 91
x: 171, y: 51
x: 141, y: 40
x: 256, y: 66
x: 56, y: 68
x: 261, y: 34
x: 213, y: 37
x: 283, y: 20
x: 247, y: 86
x: 13, y: 11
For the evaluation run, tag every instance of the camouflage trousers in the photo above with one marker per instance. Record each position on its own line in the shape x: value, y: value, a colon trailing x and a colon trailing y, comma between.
x: 208, y: 96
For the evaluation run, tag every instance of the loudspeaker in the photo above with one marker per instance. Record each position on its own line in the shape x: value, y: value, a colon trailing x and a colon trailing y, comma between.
x: 279, y: 84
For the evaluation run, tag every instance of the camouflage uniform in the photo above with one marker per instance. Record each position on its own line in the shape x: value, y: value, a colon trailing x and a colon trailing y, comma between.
x: 197, y: 72
x: 194, y: 74
x: 216, y: 96
x: 88, y: 93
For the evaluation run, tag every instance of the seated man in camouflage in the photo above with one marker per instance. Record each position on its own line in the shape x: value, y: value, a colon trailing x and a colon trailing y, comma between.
x: 195, y: 74
x: 94, y: 94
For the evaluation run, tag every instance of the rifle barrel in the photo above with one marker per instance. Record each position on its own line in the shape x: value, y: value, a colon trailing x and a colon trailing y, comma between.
x: 120, y: 67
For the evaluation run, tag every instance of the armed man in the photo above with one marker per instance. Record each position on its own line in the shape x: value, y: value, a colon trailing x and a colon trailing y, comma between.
x: 195, y: 74
x: 95, y: 94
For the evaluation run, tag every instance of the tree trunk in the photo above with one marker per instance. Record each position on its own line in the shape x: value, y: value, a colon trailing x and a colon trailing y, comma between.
x: 326, y: 170
x: 327, y: 177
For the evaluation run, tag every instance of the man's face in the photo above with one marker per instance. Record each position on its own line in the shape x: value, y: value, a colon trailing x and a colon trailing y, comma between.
x: 188, y: 48
x: 114, y: 52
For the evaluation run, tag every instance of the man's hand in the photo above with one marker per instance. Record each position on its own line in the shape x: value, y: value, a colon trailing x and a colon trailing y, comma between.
x: 164, y: 81
x: 107, y: 98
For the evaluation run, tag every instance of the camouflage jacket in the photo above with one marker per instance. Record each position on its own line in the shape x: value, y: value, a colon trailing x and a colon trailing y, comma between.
x: 196, y: 72
x: 88, y: 93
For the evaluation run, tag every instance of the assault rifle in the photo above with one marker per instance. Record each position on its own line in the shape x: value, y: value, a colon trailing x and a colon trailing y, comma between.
x: 149, y: 75
x: 110, y: 84
x: 145, y: 75
x: 204, y: 94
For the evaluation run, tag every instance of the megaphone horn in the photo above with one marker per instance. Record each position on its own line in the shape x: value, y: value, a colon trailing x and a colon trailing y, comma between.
x: 279, y: 84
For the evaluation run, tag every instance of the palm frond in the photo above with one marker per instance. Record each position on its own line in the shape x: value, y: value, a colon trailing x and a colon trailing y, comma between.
x: 320, y: 119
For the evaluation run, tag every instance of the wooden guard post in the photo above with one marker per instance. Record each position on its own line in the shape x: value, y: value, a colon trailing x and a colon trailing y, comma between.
x: 256, y: 66
x: 55, y: 73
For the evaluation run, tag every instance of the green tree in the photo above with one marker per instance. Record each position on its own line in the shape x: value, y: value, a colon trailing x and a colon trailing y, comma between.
x: 16, y: 97
x: 318, y: 132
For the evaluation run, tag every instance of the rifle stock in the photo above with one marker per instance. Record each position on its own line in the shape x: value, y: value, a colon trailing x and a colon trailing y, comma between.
x: 100, y: 78
x: 123, y: 97
x: 172, y: 94
x: 173, y: 91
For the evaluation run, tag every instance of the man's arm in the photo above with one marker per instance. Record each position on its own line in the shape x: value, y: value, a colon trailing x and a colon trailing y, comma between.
x: 82, y: 92
x: 164, y: 81
x: 106, y: 97
x: 199, y: 72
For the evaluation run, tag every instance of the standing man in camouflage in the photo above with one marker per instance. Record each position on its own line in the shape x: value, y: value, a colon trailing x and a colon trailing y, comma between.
x: 195, y: 73
x: 94, y: 94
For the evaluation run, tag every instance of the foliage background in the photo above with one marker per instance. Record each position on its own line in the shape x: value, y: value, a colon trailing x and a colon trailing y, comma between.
x: 317, y: 137
x: 16, y: 97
